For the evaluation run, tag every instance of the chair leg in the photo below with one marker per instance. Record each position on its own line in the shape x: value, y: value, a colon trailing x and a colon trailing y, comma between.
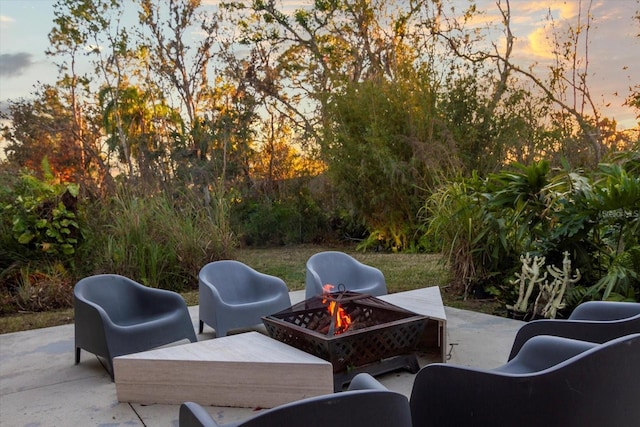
x: 77, y: 355
x: 201, y: 327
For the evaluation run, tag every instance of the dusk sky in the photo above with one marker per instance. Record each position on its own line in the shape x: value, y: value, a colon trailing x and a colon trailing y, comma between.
x: 614, y: 52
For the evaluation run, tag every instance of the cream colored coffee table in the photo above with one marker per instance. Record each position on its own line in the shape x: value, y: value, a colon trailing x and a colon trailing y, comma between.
x: 245, y: 370
x: 428, y: 302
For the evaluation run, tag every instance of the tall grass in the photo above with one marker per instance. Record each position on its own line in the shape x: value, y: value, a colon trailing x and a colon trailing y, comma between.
x: 161, y: 240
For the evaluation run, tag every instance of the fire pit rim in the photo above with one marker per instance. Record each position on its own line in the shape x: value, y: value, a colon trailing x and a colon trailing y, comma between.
x: 413, y: 317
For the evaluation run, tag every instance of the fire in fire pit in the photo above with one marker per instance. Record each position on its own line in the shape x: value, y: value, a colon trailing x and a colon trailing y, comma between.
x: 339, y: 321
x: 355, y: 332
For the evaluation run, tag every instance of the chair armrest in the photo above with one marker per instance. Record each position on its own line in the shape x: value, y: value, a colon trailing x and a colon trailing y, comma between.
x: 194, y: 415
x: 598, y: 331
x: 162, y: 295
x: 268, y: 287
x: 365, y: 381
x: 605, y: 310
x: 542, y: 352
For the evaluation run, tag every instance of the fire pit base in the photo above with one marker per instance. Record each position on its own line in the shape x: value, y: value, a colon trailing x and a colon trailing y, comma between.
x: 408, y: 362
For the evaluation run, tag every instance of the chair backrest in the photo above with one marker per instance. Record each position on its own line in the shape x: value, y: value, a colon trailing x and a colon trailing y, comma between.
x: 599, y: 386
x: 117, y: 295
x: 334, y: 268
x: 234, y: 281
x: 362, y: 408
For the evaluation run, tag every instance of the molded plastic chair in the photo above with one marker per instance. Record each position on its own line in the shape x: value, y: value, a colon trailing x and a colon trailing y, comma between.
x: 234, y: 295
x: 553, y: 381
x: 595, y: 321
x: 365, y: 404
x: 115, y: 315
x: 336, y: 268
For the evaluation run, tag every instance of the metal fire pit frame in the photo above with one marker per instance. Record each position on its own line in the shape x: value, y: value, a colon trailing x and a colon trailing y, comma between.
x: 389, y: 344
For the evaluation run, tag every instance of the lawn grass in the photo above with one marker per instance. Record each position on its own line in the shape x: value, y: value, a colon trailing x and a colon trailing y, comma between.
x: 402, y: 272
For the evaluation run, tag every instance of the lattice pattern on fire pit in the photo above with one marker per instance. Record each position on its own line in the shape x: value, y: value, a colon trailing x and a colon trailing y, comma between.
x: 379, y: 330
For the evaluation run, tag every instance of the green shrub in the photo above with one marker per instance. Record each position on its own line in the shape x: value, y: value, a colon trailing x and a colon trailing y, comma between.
x: 610, y: 233
x: 44, y: 216
x: 486, y: 224
x: 41, y: 233
x: 475, y: 241
x: 290, y: 220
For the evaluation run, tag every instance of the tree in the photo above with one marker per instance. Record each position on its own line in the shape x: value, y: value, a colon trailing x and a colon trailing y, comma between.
x: 76, y: 25
x: 299, y: 58
x: 582, y: 134
x: 46, y: 128
x: 385, y: 153
x: 136, y: 117
x: 180, y: 67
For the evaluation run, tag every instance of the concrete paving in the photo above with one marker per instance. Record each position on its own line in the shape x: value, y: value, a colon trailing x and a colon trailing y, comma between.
x: 41, y: 386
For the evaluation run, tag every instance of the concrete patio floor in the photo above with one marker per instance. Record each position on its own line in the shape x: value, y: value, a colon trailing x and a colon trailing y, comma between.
x: 41, y: 386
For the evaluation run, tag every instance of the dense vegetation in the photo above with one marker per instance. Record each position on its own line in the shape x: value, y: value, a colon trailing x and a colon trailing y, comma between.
x: 393, y: 124
x: 488, y: 224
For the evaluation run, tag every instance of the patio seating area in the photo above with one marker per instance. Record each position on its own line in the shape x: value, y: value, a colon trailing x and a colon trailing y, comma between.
x: 40, y: 385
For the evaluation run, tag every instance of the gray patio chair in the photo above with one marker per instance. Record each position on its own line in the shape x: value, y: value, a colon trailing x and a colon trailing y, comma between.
x: 234, y: 295
x: 115, y: 315
x: 337, y: 268
x: 595, y: 321
x: 553, y: 381
x: 364, y: 404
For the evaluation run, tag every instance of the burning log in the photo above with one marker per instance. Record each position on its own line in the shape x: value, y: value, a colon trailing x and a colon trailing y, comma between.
x: 322, y: 324
x: 355, y: 314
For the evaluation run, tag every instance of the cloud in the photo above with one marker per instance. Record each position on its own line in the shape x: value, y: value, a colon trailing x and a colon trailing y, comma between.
x: 542, y: 22
x: 539, y: 44
x: 14, y: 64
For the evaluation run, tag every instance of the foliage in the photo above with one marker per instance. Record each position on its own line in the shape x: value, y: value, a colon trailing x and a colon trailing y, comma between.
x: 171, y: 138
x: 292, y: 219
x: 41, y: 234
x: 37, y: 287
x: 162, y: 240
x: 383, y: 155
x: 473, y: 238
x: 44, y: 127
x: 593, y: 218
x: 616, y: 203
x: 44, y: 216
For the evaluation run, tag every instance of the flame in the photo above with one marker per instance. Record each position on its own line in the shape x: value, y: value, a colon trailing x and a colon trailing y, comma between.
x: 343, y: 320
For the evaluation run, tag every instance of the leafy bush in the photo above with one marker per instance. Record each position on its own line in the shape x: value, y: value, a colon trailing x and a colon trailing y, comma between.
x: 609, y: 234
x: 475, y: 241
x: 44, y: 215
x: 384, y: 152
x: 288, y: 220
x: 487, y: 224
x: 41, y: 232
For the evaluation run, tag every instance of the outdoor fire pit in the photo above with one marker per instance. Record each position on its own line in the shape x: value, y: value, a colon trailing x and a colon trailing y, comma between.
x: 355, y: 332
